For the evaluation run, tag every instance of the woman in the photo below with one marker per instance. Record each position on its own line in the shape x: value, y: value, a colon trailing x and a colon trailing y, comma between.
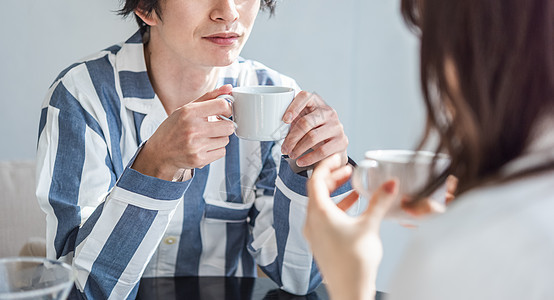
x: 487, y: 74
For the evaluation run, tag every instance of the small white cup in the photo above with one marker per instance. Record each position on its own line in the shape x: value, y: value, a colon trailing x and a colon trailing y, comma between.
x: 258, y: 111
x: 411, y: 168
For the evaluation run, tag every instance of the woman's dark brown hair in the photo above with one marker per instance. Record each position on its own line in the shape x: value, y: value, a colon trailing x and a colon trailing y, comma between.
x: 487, y: 76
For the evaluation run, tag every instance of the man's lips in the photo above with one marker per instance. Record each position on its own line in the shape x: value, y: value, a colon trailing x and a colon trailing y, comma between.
x: 223, y: 39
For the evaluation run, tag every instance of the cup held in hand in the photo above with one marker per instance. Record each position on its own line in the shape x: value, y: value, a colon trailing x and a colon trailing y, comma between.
x: 413, y: 169
x: 258, y: 111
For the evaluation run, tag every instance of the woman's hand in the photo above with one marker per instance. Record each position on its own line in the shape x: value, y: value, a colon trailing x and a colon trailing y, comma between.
x: 347, y: 249
x: 429, y: 206
x: 316, y: 126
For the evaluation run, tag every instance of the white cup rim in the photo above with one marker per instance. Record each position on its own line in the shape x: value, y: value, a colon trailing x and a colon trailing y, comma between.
x: 383, y: 156
x: 262, y: 89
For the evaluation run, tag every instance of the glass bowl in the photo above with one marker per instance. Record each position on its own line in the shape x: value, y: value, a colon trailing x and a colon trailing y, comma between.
x: 34, y: 278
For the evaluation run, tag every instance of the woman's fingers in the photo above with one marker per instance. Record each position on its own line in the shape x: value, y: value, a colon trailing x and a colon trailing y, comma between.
x: 381, y: 201
x: 348, y: 201
x: 322, y: 183
x: 451, y: 186
x: 338, y: 177
x: 424, y: 207
x: 429, y: 206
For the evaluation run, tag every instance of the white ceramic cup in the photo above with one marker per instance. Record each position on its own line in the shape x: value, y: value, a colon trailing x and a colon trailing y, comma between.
x: 258, y: 111
x: 411, y: 168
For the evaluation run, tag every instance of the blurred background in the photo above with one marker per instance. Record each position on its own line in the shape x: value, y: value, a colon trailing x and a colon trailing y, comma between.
x: 357, y: 54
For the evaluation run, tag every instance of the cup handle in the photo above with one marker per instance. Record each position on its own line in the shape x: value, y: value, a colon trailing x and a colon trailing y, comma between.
x: 231, y: 100
x: 360, y: 179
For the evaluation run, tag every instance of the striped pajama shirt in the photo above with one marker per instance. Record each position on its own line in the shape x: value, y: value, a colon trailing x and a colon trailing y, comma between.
x: 115, y: 225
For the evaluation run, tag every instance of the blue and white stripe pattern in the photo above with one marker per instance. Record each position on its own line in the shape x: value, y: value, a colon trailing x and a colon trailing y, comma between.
x: 115, y: 225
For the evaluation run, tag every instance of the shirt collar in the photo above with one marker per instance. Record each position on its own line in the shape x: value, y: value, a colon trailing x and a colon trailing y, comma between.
x: 136, y: 89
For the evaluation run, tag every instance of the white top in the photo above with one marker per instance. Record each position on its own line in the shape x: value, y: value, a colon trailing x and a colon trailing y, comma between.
x: 494, y: 242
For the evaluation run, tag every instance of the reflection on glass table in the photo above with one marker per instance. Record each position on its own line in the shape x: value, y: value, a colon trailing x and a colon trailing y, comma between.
x: 224, y: 288
x: 34, y: 278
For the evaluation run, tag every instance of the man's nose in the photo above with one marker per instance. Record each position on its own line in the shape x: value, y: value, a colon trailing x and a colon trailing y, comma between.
x: 225, y: 11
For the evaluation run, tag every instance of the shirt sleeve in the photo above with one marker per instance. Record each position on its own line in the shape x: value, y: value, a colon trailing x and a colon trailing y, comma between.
x: 104, y: 219
x: 278, y: 244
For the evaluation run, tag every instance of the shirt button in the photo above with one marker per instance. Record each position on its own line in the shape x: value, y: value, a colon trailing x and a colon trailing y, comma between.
x: 170, y: 240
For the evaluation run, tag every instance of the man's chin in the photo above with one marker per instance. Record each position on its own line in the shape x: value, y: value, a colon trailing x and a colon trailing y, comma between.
x: 224, y: 62
x: 224, y: 58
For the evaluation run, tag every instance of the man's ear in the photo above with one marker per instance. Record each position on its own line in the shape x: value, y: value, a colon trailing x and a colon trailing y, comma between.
x: 150, y: 19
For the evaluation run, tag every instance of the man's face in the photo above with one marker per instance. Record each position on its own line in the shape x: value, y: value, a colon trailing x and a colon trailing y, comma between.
x: 204, y: 32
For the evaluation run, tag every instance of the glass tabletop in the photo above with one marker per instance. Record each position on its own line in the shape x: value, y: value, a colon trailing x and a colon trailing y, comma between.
x: 224, y: 288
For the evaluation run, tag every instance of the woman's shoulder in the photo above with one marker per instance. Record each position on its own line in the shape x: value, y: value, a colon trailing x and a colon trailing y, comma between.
x: 497, y: 212
x: 487, y: 243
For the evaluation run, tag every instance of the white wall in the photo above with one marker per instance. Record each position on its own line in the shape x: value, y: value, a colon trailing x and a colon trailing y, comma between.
x: 360, y: 57
x: 38, y: 40
x: 357, y: 54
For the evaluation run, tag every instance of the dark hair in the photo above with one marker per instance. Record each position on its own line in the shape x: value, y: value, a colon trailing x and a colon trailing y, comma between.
x: 501, y: 53
x: 148, y: 6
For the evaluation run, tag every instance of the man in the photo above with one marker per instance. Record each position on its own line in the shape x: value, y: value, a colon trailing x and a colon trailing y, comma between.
x: 193, y: 199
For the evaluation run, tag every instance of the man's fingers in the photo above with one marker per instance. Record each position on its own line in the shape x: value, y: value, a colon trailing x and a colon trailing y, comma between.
x: 208, y: 104
x: 217, y: 142
x: 307, y: 127
x: 310, y: 140
x: 215, y: 154
x: 212, y: 107
x: 224, y: 89
x: 348, y: 201
x: 220, y: 128
x: 297, y: 105
x: 321, y: 152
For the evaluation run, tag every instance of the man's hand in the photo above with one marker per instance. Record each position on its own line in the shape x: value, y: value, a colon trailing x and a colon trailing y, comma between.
x: 188, y: 138
x: 316, y: 126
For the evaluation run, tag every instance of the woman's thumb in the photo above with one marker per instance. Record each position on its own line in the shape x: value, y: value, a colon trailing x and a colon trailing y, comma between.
x: 382, y: 199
